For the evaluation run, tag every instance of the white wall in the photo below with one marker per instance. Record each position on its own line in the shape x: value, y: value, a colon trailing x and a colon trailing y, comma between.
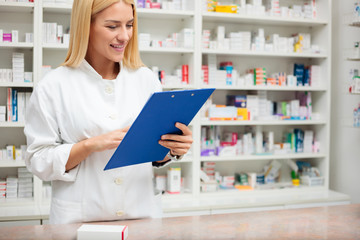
x: 345, y: 140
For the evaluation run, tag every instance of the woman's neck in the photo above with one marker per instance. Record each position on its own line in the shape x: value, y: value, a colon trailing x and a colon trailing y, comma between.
x: 108, y: 70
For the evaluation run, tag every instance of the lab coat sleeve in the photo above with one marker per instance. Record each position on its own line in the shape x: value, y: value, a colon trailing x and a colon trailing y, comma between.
x: 46, y: 154
x: 161, y: 164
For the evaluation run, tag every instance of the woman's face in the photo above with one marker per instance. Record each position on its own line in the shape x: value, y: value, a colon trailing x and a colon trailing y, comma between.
x: 110, y: 32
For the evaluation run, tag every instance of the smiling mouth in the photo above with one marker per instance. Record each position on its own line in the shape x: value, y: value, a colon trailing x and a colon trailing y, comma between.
x: 117, y: 46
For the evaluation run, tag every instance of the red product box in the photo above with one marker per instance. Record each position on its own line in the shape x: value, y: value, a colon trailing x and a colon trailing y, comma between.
x: 185, y: 74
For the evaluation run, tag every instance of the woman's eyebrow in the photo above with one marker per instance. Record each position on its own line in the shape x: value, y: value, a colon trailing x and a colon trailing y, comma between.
x: 117, y: 21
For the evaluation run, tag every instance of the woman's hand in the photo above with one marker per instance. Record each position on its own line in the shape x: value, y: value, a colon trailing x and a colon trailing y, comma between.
x: 81, y: 150
x: 108, y: 140
x: 178, y: 144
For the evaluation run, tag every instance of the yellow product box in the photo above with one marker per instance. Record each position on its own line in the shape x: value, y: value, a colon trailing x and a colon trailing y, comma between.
x: 242, y: 113
x: 226, y: 8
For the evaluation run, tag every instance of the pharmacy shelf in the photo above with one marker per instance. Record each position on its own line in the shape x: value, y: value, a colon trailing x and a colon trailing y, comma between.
x: 22, y: 7
x: 164, y: 14
x: 355, y: 24
x: 264, y: 156
x: 166, y: 50
x: 265, y: 123
x: 262, y: 20
x: 57, y: 8
x: 16, y: 45
x: 353, y: 59
x: 270, y: 189
x: 17, y: 84
x: 177, y: 87
x: 266, y: 88
x: 263, y: 54
x: 16, y: 202
x: 55, y: 46
x: 13, y: 163
x: 11, y: 124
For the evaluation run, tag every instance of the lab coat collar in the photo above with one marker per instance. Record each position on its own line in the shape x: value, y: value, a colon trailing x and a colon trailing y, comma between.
x: 85, y: 66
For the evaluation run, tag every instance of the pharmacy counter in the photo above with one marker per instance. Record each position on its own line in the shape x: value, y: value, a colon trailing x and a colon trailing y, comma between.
x: 331, y: 222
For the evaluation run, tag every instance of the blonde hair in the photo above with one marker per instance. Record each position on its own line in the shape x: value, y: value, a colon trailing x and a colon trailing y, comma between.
x: 82, y: 13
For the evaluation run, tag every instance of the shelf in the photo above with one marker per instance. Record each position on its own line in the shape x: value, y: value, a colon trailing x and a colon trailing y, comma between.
x: 17, y: 7
x: 13, y: 163
x: 269, y: 190
x: 269, y: 123
x: 164, y: 14
x: 57, y: 8
x: 177, y: 87
x: 16, y: 202
x: 353, y: 59
x: 262, y: 157
x: 262, y: 54
x: 55, y: 46
x: 267, y: 88
x: 11, y: 124
x: 17, y: 84
x: 16, y: 45
x: 263, y: 20
x: 355, y: 24
x: 166, y: 50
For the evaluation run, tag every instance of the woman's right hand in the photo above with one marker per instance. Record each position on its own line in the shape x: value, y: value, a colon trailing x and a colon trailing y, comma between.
x: 107, y: 141
x: 81, y: 150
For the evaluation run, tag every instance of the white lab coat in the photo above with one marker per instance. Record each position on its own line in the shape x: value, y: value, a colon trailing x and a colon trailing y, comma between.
x: 73, y: 104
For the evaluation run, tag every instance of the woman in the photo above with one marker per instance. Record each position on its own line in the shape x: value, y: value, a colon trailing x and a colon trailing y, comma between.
x: 80, y: 112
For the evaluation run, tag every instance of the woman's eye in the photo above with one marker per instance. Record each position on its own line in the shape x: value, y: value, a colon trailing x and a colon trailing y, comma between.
x: 111, y: 27
x: 129, y: 26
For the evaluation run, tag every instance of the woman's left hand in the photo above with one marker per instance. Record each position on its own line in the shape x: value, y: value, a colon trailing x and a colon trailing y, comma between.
x: 178, y: 144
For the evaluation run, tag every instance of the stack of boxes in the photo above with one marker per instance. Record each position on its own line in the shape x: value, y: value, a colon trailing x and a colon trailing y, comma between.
x: 25, y: 183
x: 17, y: 187
x: 2, y: 113
x: 186, y: 38
x: 310, y: 9
x: 259, y: 76
x: 259, y: 41
x: 209, y: 169
x: 16, y: 73
x: 227, y: 182
x: 206, y: 38
x: 240, y: 41
x: 18, y: 64
x: 11, y: 187
x: 144, y: 40
x: 273, y: 7
x: 2, y: 188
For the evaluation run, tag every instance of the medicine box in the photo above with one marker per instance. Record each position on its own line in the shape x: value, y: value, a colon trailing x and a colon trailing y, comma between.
x: 174, y: 180
x: 108, y: 232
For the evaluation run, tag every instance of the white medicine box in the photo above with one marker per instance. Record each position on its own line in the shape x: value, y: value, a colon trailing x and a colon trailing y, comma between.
x: 174, y: 180
x: 108, y: 232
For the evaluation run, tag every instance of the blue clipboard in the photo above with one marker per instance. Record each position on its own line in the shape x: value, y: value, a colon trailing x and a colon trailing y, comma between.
x: 158, y: 117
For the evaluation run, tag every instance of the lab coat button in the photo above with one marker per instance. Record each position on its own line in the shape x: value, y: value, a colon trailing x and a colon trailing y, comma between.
x: 109, y: 90
x: 113, y: 116
x: 118, y: 181
x: 119, y: 213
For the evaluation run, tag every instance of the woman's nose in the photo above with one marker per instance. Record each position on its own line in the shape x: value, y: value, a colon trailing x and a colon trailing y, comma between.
x: 123, y: 34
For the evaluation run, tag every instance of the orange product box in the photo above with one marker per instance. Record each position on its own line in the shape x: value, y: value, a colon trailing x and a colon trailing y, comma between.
x: 243, y: 187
